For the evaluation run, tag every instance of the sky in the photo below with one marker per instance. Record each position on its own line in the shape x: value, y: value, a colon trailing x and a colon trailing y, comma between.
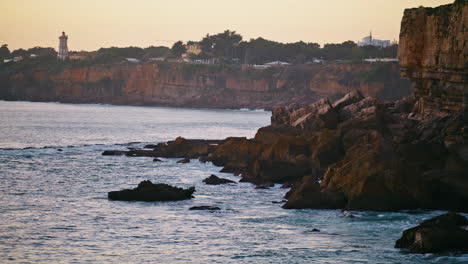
x: 92, y: 24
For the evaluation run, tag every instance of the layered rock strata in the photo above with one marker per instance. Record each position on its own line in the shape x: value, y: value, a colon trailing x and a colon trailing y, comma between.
x: 433, y: 54
x: 211, y: 86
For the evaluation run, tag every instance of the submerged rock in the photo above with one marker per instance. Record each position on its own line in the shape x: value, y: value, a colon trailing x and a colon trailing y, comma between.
x: 443, y: 233
x: 114, y: 153
x: 149, y: 192
x: 265, y: 186
x: 205, y: 207
x: 183, y: 161
x: 157, y: 160
x: 215, y: 180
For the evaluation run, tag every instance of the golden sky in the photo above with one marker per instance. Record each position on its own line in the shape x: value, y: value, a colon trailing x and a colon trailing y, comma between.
x: 92, y: 24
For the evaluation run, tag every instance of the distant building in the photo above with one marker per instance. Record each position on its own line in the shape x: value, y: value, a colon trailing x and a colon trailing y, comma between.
x: 194, y: 49
x: 19, y: 58
x: 132, y: 60
x: 381, y: 60
x: 261, y: 67
x: 199, y: 61
x: 63, y: 47
x: 369, y: 41
x: 81, y: 55
x: 317, y: 60
x: 278, y: 63
x: 157, y: 59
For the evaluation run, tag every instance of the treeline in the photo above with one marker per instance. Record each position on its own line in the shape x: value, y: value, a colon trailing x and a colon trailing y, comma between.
x: 47, y: 57
x: 229, y: 46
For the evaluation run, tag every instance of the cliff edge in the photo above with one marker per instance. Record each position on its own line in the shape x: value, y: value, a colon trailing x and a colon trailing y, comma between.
x: 433, y: 54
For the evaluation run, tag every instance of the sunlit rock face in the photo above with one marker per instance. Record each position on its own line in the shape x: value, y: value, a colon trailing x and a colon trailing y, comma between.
x: 213, y: 86
x: 433, y: 54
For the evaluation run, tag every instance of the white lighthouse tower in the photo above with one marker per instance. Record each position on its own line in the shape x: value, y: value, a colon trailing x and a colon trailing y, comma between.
x: 63, y: 47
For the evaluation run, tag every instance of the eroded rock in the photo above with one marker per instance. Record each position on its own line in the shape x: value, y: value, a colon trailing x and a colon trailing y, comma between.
x: 149, y: 192
x: 215, y: 180
x: 443, y: 233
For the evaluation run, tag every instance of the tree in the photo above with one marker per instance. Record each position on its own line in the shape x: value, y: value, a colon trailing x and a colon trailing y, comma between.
x: 178, y: 49
x: 19, y: 52
x: 153, y: 52
x: 224, y: 44
x: 4, y: 52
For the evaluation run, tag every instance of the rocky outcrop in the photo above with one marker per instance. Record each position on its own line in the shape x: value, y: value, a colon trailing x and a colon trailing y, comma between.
x: 433, y: 54
x: 357, y: 153
x: 190, y: 85
x: 215, y: 180
x: 389, y: 160
x: 148, y: 192
x: 178, y: 148
x: 443, y: 233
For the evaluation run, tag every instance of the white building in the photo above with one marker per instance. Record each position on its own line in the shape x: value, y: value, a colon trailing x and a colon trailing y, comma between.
x: 63, y: 47
x: 132, y: 60
x: 381, y: 60
x: 278, y: 63
x: 369, y: 41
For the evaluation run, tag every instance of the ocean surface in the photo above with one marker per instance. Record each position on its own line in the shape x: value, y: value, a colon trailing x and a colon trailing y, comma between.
x: 54, y: 207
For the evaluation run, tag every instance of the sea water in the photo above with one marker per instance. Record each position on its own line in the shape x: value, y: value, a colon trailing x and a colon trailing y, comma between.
x: 54, y: 206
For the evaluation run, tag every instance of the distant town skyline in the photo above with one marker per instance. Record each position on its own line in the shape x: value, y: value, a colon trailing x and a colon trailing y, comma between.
x: 94, y: 24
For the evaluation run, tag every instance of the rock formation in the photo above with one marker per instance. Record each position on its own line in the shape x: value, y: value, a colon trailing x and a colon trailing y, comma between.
x: 443, y: 233
x: 190, y: 85
x: 357, y: 153
x: 215, y: 180
x: 433, y: 54
x: 149, y: 192
x: 204, y: 208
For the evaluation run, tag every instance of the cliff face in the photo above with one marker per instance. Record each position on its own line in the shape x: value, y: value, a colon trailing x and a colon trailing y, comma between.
x: 203, y: 86
x: 433, y: 53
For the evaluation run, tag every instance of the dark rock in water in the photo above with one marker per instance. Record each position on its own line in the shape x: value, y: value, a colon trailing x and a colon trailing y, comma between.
x: 215, y: 180
x: 157, y: 160
x: 443, y: 233
x: 205, y: 207
x: 265, y: 186
x: 315, y: 230
x: 203, y: 159
x: 113, y: 153
x: 184, y: 161
x: 178, y: 148
x: 59, y: 149
x: 149, y: 192
x: 277, y: 202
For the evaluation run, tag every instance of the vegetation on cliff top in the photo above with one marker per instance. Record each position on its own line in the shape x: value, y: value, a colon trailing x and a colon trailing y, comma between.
x: 227, y: 47
x: 230, y: 45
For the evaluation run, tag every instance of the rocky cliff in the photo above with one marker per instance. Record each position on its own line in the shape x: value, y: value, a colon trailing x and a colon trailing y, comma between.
x: 191, y: 85
x: 433, y: 53
x: 358, y: 152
